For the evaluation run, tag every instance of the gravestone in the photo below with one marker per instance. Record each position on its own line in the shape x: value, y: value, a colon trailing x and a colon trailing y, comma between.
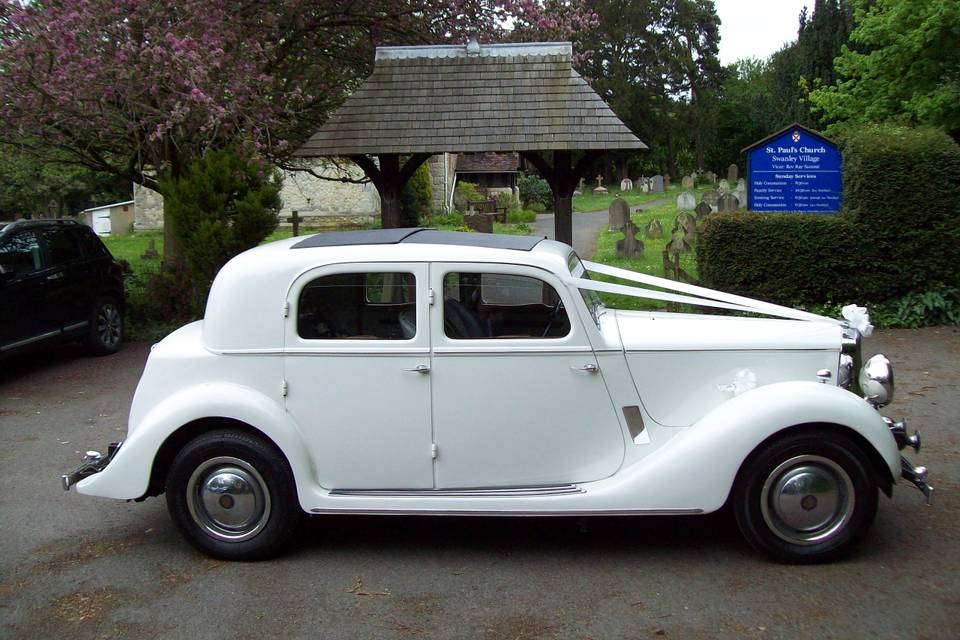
x: 686, y: 201
x: 629, y: 247
x: 711, y: 177
x: 666, y: 182
x: 644, y: 186
x: 151, y: 253
x: 626, y: 184
x: 295, y: 220
x: 728, y: 202
x: 679, y: 243
x: 687, y: 182
x: 688, y: 224
x: 703, y: 209
x: 724, y: 187
x: 656, y: 184
x: 732, y: 173
x: 741, y: 192
x: 653, y: 229
x: 479, y: 222
x: 619, y: 212
x: 710, y: 197
x: 516, y: 195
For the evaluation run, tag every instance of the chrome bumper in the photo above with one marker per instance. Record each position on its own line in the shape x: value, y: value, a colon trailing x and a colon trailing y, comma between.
x: 915, y: 475
x: 93, y: 462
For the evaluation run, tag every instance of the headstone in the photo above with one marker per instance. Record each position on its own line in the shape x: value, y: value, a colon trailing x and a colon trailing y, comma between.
x: 687, y: 182
x: 516, y: 195
x: 679, y: 243
x: 656, y: 184
x: 626, y: 184
x: 711, y: 177
x: 599, y: 189
x: 151, y: 253
x: 619, y: 213
x: 741, y: 192
x: 710, y: 197
x: 479, y: 222
x: 580, y: 185
x: 666, y: 182
x: 688, y: 224
x: 686, y: 201
x: 644, y: 186
x: 724, y: 187
x: 577, y: 192
x: 295, y: 221
x: 732, y: 173
x: 630, y: 247
x: 703, y: 210
x: 728, y: 202
x: 653, y: 229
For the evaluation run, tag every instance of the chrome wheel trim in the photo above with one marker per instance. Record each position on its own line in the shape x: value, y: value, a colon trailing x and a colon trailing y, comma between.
x: 807, y: 500
x: 228, y: 499
x: 108, y: 324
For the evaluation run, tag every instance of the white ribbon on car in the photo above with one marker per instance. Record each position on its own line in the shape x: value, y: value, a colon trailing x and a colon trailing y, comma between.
x: 699, y: 296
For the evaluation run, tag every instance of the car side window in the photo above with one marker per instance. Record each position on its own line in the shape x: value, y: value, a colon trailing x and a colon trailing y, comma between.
x: 20, y: 254
x: 501, y: 306
x: 358, y: 306
x: 92, y: 245
x: 62, y: 246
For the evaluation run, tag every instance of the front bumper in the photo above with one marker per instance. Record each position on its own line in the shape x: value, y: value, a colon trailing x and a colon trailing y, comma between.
x: 916, y: 475
x: 93, y: 462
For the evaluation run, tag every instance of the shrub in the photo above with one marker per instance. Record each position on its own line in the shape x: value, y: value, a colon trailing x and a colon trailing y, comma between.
x: 534, y: 190
x: 523, y: 215
x: 465, y: 193
x: 223, y: 204
x: 898, y: 235
x: 505, y: 201
x: 416, y: 197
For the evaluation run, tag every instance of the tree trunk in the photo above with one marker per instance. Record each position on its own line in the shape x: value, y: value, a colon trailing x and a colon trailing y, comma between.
x: 172, y: 258
x: 563, y: 218
x: 390, y: 209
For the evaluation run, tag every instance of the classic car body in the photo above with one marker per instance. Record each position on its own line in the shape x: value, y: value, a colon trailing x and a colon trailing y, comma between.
x: 417, y: 371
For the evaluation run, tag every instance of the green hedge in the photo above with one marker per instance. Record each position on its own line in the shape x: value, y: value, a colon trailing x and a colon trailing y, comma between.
x: 899, y: 231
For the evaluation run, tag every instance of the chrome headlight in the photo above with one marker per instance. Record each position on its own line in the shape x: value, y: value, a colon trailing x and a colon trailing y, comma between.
x: 876, y: 381
x: 845, y: 374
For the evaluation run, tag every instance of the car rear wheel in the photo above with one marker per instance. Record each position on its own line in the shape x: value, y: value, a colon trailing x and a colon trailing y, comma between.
x: 808, y: 497
x: 232, y: 495
x: 106, y: 328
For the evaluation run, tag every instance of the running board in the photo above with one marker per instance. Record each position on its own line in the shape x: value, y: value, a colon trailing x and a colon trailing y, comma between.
x: 520, y: 492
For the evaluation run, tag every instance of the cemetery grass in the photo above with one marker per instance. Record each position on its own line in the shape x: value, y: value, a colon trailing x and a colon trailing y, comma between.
x: 590, y: 202
x: 651, y: 262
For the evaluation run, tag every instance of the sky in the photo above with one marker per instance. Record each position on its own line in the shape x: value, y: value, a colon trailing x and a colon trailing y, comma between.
x: 756, y: 28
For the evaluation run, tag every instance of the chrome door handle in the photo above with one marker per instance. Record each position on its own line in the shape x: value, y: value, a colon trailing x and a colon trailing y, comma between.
x: 55, y: 276
x: 589, y: 368
x: 420, y: 368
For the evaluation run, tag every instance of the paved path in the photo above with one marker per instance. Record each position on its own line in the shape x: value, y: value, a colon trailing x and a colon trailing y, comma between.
x: 85, y: 568
x: 586, y: 226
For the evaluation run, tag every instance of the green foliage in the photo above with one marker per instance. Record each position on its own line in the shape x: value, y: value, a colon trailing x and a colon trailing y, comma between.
x: 897, y: 240
x: 903, y: 65
x: 534, y: 190
x: 522, y: 215
x: 465, y: 193
x: 223, y: 204
x: 416, y: 197
x: 505, y: 201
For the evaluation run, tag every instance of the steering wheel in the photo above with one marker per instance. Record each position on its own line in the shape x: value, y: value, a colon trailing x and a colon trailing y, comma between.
x: 553, y: 316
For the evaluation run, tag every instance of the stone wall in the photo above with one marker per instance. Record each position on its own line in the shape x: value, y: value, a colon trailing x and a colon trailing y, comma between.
x: 147, y: 208
x: 442, y: 182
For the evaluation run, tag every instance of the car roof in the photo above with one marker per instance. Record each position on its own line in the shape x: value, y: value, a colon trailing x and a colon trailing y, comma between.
x: 27, y: 223
x: 419, y: 235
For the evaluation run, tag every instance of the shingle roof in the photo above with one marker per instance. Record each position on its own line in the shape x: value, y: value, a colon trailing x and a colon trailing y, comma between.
x: 488, y: 162
x: 510, y: 97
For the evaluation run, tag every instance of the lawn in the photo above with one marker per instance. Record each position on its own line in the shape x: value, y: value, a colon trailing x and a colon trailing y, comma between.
x: 651, y: 262
x: 590, y: 202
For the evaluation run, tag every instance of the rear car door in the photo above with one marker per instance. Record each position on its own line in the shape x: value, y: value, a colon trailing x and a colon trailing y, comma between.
x: 22, y: 291
x: 70, y: 287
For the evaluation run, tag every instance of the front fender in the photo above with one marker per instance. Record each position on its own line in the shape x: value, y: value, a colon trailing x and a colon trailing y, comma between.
x: 128, y: 474
x: 698, y: 466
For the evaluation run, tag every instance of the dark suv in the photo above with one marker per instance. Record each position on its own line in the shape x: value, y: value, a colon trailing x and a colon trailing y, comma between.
x: 58, y: 282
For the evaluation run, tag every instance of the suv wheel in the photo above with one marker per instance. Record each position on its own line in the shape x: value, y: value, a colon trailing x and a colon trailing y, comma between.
x: 106, y: 328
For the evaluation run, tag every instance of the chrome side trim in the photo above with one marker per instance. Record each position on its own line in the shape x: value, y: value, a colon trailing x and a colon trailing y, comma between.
x: 76, y: 325
x: 20, y: 343
x: 565, y: 489
x: 503, y: 512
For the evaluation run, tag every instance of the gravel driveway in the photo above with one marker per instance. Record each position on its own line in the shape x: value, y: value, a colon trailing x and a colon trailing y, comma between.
x: 79, y: 567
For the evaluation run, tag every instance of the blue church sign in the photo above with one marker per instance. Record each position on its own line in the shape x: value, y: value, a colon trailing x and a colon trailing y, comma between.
x: 795, y: 169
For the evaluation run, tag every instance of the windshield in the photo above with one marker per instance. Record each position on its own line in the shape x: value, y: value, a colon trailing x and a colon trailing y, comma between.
x: 590, y: 297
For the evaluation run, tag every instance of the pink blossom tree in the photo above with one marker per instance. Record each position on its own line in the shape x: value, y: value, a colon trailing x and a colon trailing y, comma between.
x: 136, y: 87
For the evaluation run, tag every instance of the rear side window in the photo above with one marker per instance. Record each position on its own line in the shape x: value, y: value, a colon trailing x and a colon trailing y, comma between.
x: 62, y: 245
x: 91, y: 244
x: 20, y: 254
x: 359, y: 306
x: 501, y: 306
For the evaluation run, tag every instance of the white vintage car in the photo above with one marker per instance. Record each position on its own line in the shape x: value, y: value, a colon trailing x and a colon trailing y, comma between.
x: 414, y: 371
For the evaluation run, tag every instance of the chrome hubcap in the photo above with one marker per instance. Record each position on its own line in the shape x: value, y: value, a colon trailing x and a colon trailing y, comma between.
x: 807, y: 499
x: 228, y: 499
x: 108, y: 325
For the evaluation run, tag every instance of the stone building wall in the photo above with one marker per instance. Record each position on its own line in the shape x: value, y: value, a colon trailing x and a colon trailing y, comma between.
x: 147, y: 208
x: 441, y: 182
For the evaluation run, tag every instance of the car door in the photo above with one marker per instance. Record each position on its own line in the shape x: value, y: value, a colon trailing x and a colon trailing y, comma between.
x: 518, y: 396
x: 70, y: 292
x: 357, y: 361
x: 22, y: 291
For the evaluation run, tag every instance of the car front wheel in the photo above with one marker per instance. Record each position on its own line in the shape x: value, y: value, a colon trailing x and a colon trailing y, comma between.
x: 106, y: 328
x: 232, y: 495
x: 807, y: 497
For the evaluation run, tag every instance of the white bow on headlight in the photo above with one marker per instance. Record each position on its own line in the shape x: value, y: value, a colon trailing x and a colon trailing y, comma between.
x: 858, y: 318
